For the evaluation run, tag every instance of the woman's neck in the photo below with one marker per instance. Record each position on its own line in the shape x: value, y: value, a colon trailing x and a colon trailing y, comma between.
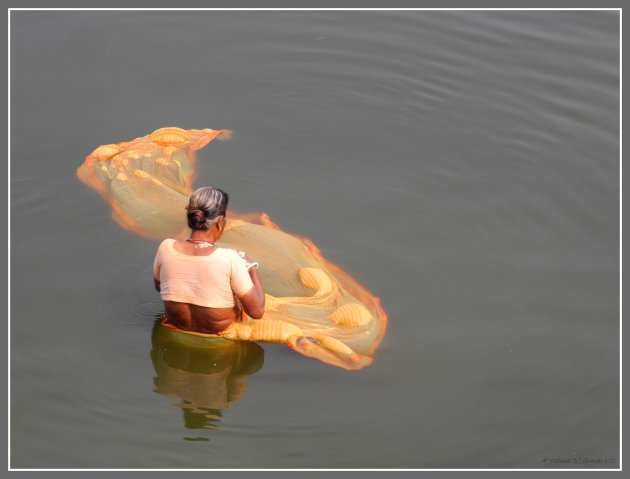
x: 208, y: 236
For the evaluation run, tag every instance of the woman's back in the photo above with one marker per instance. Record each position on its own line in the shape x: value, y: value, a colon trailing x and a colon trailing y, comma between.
x: 210, y: 279
x: 199, y: 285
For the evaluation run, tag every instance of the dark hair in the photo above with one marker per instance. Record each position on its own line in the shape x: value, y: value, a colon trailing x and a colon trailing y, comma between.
x: 205, y: 206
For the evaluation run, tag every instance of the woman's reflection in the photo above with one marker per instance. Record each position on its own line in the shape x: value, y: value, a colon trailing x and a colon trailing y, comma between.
x: 208, y: 374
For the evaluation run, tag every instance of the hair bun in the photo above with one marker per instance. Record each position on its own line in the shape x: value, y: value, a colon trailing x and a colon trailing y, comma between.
x: 197, y: 216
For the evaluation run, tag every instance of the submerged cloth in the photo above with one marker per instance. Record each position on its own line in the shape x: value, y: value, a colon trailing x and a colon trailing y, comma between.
x: 209, y: 281
x: 311, y: 304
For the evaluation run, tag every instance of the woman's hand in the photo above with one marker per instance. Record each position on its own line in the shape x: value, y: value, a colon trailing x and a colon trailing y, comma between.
x: 249, y: 264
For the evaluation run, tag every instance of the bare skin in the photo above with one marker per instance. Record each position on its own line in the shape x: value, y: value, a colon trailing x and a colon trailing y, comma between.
x: 202, y: 319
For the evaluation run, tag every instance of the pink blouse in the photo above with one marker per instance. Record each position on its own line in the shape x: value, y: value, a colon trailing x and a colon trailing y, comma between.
x: 210, y: 281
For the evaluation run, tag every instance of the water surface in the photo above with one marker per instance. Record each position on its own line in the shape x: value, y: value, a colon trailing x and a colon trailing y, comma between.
x: 464, y: 166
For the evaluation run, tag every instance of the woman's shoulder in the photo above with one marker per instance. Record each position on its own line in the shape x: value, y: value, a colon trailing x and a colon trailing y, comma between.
x: 229, y: 252
x: 165, y: 243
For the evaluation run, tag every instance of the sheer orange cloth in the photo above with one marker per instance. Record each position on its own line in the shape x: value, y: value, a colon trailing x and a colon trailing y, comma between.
x: 311, y: 304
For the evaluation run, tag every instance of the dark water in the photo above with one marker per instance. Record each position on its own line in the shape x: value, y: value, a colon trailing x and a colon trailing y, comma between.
x: 464, y: 166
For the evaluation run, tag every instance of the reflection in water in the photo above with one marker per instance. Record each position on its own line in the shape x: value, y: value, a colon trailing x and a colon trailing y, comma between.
x: 208, y: 374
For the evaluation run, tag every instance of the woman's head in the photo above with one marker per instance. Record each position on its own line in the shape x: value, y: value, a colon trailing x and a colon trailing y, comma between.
x: 206, y: 207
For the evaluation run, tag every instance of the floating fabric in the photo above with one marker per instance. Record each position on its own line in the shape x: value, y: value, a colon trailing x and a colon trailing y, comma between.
x: 311, y: 304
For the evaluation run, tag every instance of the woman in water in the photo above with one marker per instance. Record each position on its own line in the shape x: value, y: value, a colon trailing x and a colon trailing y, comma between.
x: 203, y: 286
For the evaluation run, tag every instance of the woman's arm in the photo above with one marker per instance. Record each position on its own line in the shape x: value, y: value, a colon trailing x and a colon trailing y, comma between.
x: 156, y: 268
x: 254, y: 300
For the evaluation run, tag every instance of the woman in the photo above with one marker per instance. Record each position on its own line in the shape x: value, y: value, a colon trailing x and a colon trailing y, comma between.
x: 203, y: 286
